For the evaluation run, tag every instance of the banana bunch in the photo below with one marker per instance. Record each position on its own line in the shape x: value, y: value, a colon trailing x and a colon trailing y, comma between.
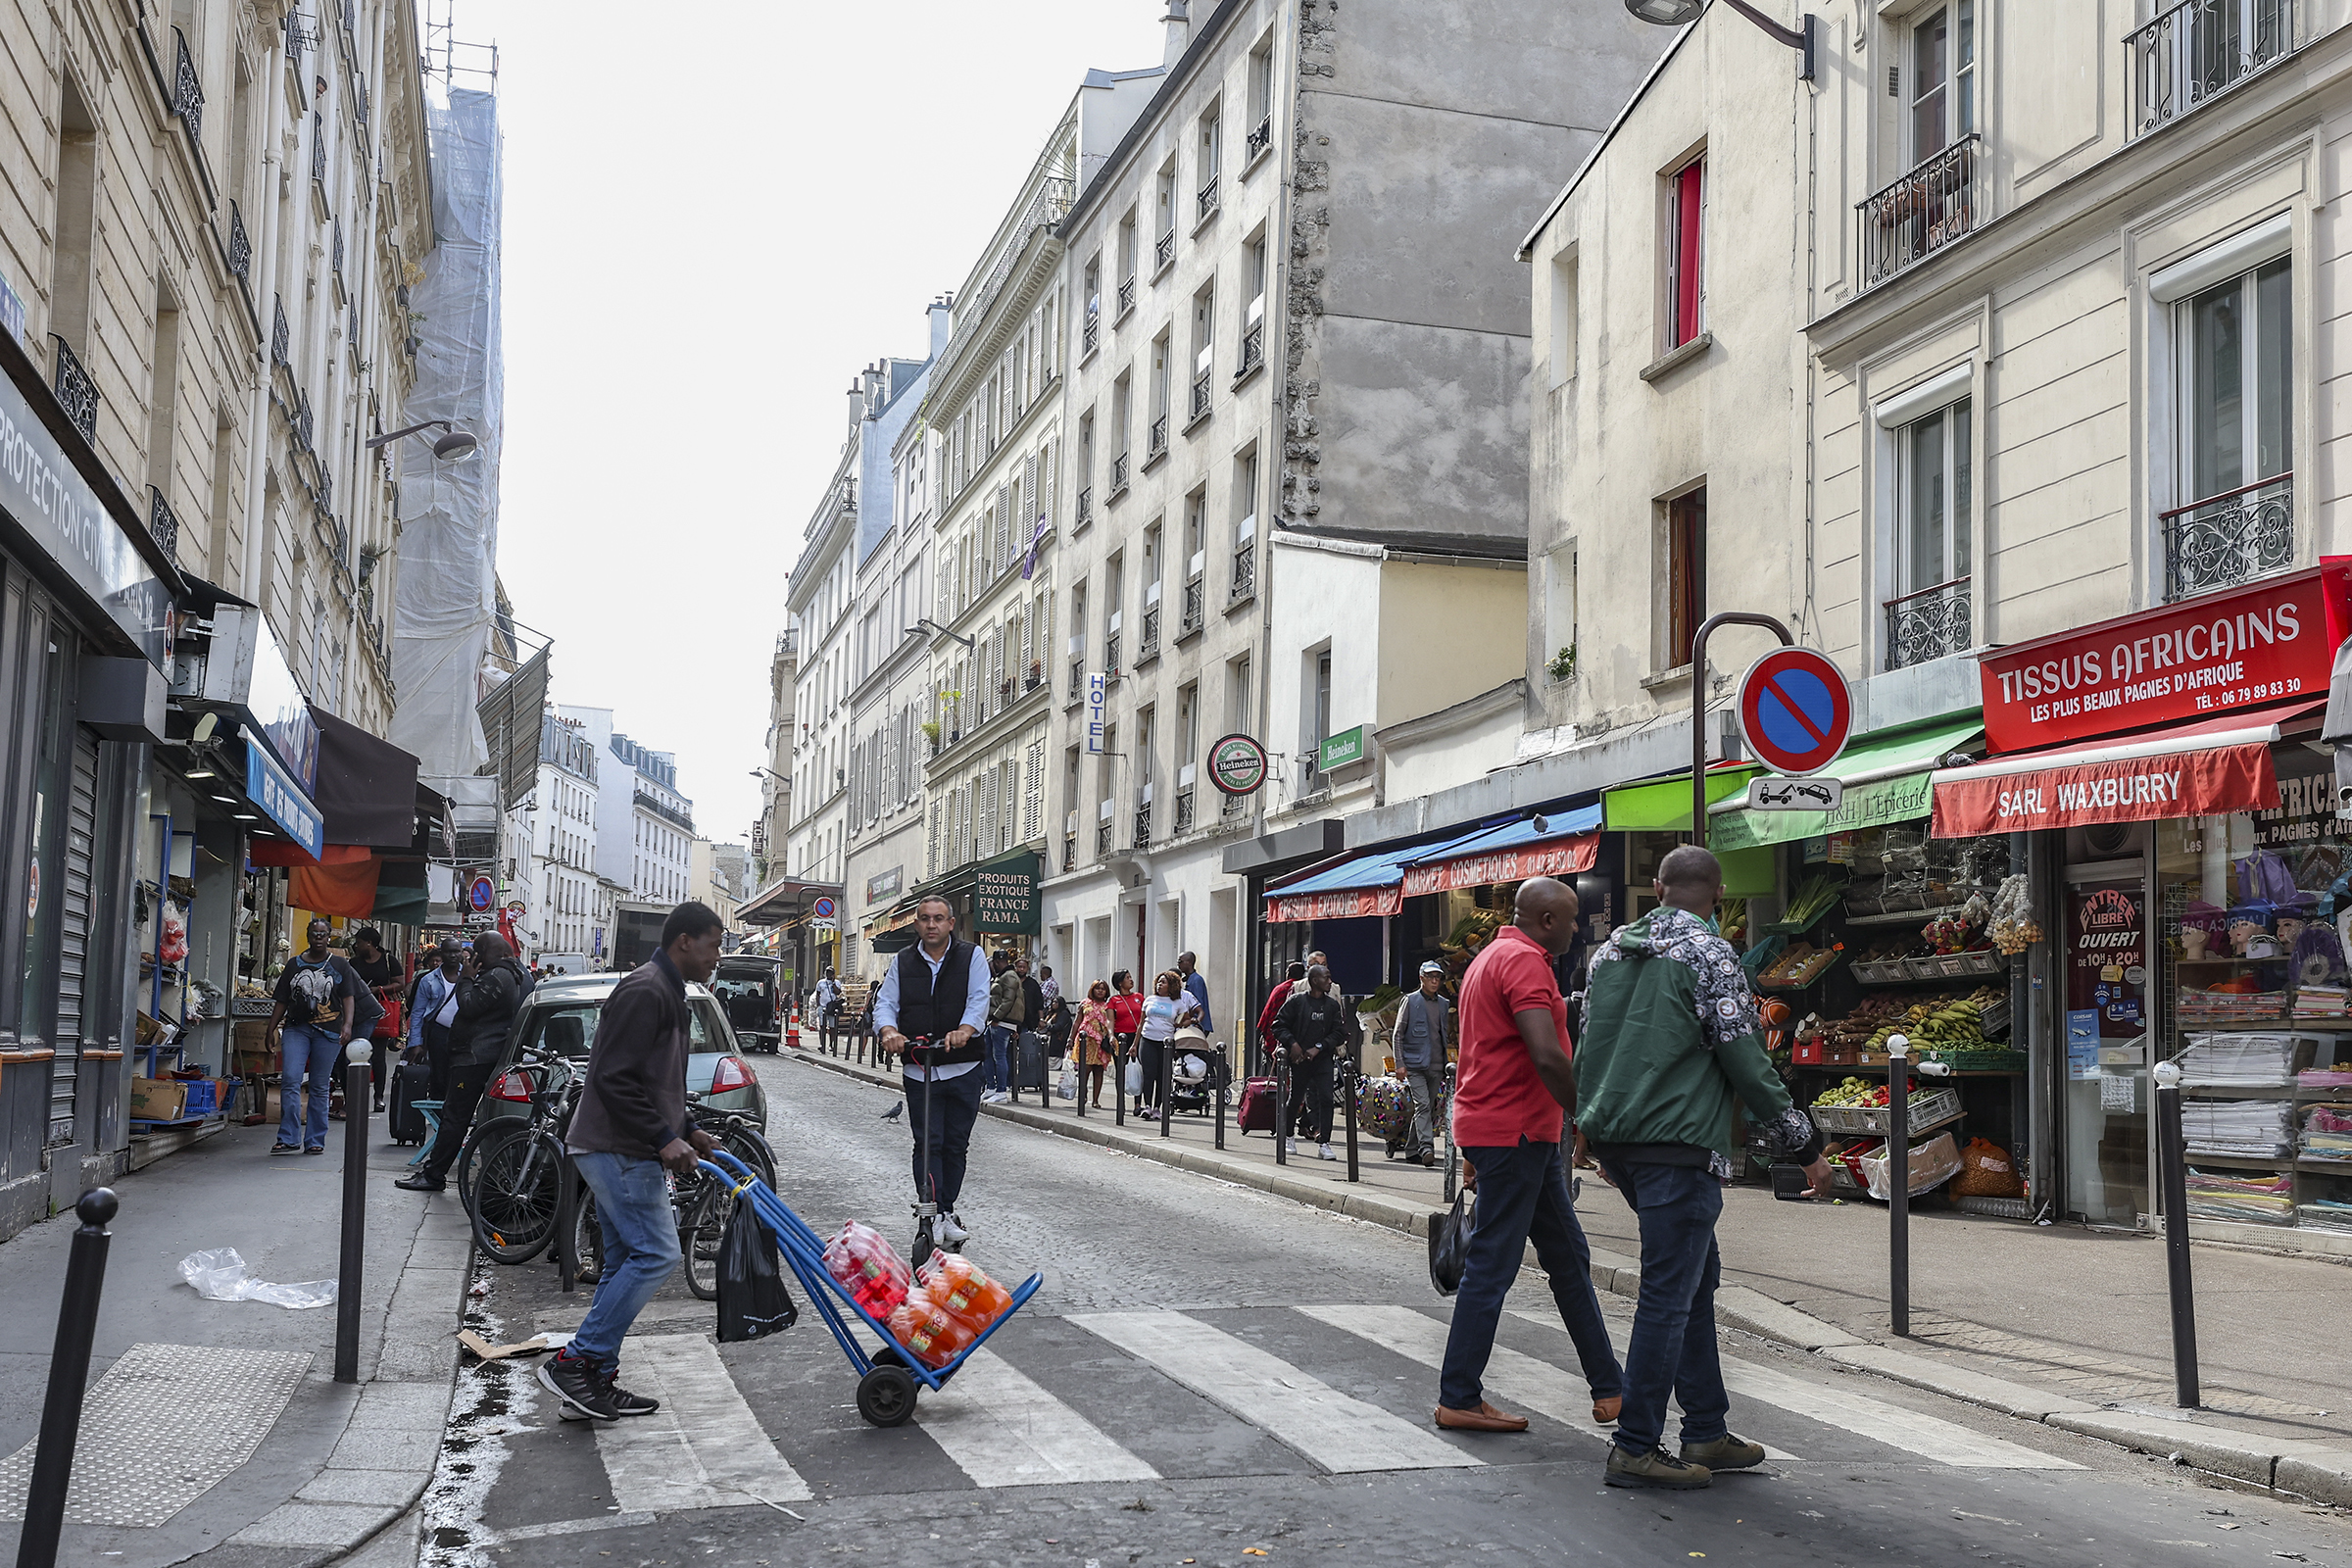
x: 1852, y: 1092
x: 1940, y: 1025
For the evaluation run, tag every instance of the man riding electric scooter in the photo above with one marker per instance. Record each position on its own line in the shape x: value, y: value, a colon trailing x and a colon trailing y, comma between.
x: 930, y: 1009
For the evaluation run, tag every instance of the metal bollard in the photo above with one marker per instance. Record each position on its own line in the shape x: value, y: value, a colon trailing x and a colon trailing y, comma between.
x: 68, y: 1380
x: 568, y: 1239
x: 1167, y: 1085
x: 2173, y: 1171
x: 1898, y: 1181
x: 1223, y: 1069
x: 1118, y: 1084
x: 354, y: 1211
x: 1347, y: 1082
x: 1282, y: 1106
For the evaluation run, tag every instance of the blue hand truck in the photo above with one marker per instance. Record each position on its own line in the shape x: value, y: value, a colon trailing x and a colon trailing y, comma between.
x: 888, y: 1380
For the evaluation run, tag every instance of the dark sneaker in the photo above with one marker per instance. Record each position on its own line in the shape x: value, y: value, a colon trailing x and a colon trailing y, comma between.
x: 1656, y: 1468
x: 1730, y: 1452
x: 418, y: 1182
x: 624, y: 1401
x: 581, y: 1386
x: 285, y: 1149
x: 314, y: 1149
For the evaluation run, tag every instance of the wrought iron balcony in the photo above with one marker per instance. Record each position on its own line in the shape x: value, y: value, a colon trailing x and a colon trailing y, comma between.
x: 1254, y: 349
x: 318, y: 147
x: 162, y: 523
x: 1935, y: 204
x: 1233, y: 806
x: 1200, y: 395
x: 1932, y: 623
x: 1148, y: 647
x: 1206, y: 202
x: 1069, y: 851
x: 1143, y: 823
x: 187, y: 93
x: 1102, y: 838
x: 1078, y: 678
x: 76, y: 393
x: 1159, y: 438
x: 1244, y: 573
x: 1111, y: 656
x: 1127, y: 295
x: 1086, y: 507
x: 338, y: 248
x: 1091, y: 335
x: 1196, y: 600
x: 1183, y: 811
x: 1118, y: 476
x: 280, y: 339
x: 1312, y: 780
x: 2231, y: 538
x: 327, y: 489
x: 2198, y: 49
x: 301, y: 422
x: 1261, y: 139
x: 1163, y: 249
x: 240, y: 247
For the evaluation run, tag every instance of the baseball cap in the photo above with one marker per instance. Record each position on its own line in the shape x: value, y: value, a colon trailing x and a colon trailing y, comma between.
x: 1433, y: 966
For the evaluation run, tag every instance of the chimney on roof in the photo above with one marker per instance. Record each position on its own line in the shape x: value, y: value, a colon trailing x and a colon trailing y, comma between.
x: 942, y: 315
x: 857, y: 403
x: 1179, y: 23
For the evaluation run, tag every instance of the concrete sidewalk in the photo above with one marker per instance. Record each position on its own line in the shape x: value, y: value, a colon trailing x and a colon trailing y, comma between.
x: 2052, y: 1322
x: 216, y: 1427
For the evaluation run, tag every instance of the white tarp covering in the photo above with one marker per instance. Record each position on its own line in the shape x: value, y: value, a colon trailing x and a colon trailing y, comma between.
x: 448, y: 510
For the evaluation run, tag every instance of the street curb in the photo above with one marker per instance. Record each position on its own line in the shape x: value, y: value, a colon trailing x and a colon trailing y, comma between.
x: 2322, y: 1472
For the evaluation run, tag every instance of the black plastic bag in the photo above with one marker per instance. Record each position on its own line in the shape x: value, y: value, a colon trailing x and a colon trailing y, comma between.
x: 753, y: 1298
x: 1449, y: 1242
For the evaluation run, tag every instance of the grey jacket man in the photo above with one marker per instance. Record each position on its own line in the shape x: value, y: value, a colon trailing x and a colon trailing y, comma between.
x: 1422, y: 1024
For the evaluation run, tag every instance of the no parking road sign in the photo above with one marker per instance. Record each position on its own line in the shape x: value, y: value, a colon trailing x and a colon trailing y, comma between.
x: 1794, y: 711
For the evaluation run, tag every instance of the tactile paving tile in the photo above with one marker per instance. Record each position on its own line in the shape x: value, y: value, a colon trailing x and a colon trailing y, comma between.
x: 164, y: 1425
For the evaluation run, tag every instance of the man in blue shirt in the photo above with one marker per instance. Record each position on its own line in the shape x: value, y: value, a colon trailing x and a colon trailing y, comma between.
x: 426, y: 1032
x: 1197, y: 989
x: 936, y: 993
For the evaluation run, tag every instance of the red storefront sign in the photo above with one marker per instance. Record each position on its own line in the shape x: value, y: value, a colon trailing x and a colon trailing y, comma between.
x: 2199, y: 783
x: 2259, y: 644
x: 1559, y: 858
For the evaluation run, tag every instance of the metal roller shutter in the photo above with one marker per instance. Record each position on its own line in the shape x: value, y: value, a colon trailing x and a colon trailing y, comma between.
x: 74, y: 950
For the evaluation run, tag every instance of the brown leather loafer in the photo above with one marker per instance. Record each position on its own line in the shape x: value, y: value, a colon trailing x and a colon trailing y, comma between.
x: 1607, y: 1411
x: 1486, y: 1418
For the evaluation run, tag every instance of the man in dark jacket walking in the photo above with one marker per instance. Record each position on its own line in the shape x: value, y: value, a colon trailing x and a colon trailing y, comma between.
x: 489, y: 994
x: 1671, y: 1039
x: 631, y: 1124
x: 1312, y: 1029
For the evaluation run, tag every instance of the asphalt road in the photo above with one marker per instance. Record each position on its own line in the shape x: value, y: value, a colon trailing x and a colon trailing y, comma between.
x: 1212, y: 1376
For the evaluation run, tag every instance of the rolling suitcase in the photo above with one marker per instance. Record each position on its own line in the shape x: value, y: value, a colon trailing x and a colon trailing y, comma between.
x: 1257, y: 1111
x: 1029, y: 1071
x: 412, y: 1081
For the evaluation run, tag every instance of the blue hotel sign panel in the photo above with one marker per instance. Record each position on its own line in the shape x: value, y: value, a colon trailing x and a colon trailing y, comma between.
x: 269, y: 786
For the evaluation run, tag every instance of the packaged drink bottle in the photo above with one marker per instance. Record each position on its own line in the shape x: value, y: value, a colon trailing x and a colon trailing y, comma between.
x: 869, y: 1267
x: 964, y: 1291
x: 929, y: 1333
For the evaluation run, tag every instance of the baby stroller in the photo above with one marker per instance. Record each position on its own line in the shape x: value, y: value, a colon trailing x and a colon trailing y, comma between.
x: 1194, y: 1074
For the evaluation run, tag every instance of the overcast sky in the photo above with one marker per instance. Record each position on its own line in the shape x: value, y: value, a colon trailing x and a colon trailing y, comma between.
x: 716, y: 216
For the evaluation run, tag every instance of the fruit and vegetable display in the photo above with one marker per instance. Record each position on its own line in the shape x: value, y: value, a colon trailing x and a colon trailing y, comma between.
x: 2011, y: 923
x: 1950, y: 1021
x: 1731, y: 919
x: 1812, y: 898
x: 1861, y: 1093
x: 1799, y: 964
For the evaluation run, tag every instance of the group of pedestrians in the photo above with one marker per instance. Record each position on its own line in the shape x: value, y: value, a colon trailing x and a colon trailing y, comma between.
x: 1671, y: 1038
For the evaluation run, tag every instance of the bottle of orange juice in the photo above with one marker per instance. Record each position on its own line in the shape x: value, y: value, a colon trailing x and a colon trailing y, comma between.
x: 931, y: 1334
x: 964, y: 1291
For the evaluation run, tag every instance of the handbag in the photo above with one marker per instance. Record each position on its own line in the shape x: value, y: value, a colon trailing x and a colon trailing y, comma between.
x: 1449, y: 1242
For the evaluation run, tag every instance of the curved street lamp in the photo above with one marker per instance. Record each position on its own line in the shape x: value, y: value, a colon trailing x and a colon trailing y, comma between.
x: 456, y: 446
x: 1682, y: 13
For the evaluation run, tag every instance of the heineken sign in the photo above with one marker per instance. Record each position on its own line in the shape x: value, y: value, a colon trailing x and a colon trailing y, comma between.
x: 1237, y: 764
x: 1005, y: 896
x: 1341, y: 749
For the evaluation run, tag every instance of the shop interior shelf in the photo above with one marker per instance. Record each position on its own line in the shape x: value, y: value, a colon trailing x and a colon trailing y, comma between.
x: 2225, y: 961
x: 1905, y: 916
x: 2326, y: 1167
x: 2259, y: 1092
x: 2241, y: 1161
x: 2281, y: 1025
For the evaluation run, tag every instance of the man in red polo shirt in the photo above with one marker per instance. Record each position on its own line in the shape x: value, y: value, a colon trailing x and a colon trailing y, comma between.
x: 1513, y: 1094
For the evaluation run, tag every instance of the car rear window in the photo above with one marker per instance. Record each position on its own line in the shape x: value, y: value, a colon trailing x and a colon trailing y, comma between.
x: 569, y: 1029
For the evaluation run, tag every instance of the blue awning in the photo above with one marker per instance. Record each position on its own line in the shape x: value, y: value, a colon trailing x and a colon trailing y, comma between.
x: 1320, y: 893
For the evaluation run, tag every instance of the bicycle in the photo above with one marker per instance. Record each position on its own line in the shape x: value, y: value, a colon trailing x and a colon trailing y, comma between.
x: 509, y: 1171
x: 703, y: 1205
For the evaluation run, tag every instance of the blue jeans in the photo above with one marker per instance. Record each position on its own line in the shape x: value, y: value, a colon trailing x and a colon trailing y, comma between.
x: 996, y: 1071
x: 1673, y: 1347
x: 308, y: 1053
x: 641, y: 1245
x: 1522, y: 1197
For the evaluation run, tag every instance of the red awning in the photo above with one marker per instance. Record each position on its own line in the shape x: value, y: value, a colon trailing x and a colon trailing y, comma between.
x: 2208, y: 769
x: 1479, y: 868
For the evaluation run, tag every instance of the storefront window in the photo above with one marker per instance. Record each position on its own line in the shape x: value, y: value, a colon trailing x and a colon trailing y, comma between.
x: 2106, y: 1041
x: 45, y: 892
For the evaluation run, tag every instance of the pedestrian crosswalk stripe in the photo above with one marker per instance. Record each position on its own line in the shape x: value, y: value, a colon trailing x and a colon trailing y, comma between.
x: 1516, y: 1381
x: 704, y: 1448
x: 1929, y: 1437
x: 1341, y: 1434
x: 1004, y: 1430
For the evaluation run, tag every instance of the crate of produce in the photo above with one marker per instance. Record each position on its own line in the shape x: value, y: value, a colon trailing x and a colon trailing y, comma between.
x: 1933, y: 1163
x: 1975, y: 964
x: 1877, y: 971
x: 250, y: 1007
x: 1928, y: 968
x: 1927, y: 1107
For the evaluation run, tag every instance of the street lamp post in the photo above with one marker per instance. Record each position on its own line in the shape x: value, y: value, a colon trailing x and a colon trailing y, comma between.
x: 1680, y: 12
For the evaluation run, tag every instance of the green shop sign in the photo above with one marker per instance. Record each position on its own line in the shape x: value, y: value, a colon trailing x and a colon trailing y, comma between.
x: 1004, y: 894
x: 1891, y: 800
x: 1341, y: 749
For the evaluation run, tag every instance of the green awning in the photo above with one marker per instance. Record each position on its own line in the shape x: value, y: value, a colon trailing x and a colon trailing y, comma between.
x: 1663, y: 805
x: 1895, y: 765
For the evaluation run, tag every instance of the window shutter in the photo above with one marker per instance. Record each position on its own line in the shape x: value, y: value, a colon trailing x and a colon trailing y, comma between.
x: 988, y: 808
x: 931, y: 857
x: 1033, y: 803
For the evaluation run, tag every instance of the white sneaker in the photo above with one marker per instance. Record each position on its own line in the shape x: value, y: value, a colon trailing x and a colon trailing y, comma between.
x: 1289, y: 1146
x: 993, y: 1096
x: 1323, y: 1151
x: 947, y: 1232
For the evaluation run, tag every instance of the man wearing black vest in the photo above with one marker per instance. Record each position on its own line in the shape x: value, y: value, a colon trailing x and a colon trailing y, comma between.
x: 937, y: 991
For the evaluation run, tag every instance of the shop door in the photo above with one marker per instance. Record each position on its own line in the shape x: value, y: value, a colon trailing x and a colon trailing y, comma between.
x: 2104, y: 1047
x: 74, y: 967
x: 42, y: 818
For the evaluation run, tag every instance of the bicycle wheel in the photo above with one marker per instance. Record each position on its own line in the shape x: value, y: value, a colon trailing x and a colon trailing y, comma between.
x: 514, y: 1194
x: 701, y: 1238
x: 588, y: 1238
x: 748, y: 1145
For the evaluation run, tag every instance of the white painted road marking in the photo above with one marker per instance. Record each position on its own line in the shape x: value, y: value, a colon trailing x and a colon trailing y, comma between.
x: 1929, y: 1437
x: 704, y: 1448
x: 1341, y: 1434
x: 1004, y: 1430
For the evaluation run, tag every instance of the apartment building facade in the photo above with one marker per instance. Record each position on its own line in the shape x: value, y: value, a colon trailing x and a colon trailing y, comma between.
x: 2007, y: 338
x: 1297, y: 436
x: 559, y: 829
x: 772, y: 833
